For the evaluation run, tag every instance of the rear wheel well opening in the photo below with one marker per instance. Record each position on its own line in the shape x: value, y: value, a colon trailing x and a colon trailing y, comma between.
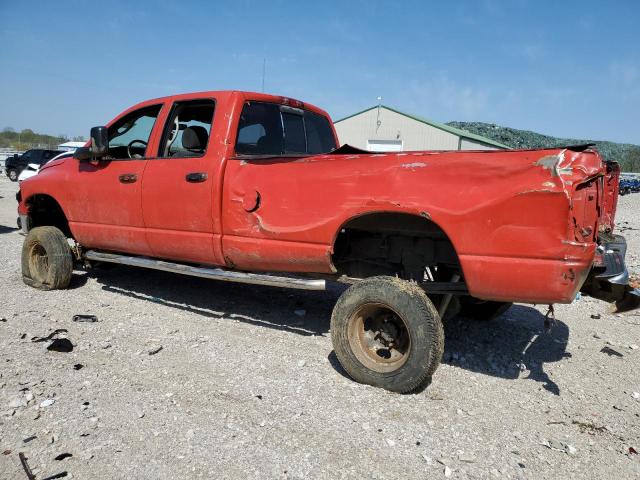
x: 408, y: 246
x: 44, y: 210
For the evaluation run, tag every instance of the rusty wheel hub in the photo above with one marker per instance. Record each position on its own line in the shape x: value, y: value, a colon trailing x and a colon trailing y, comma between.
x: 379, y: 337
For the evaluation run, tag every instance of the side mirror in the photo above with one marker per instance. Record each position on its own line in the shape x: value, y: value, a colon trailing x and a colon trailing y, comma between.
x: 99, y: 141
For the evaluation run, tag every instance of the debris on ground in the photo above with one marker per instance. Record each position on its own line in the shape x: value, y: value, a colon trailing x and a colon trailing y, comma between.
x: 25, y: 466
x: 85, y: 318
x: 51, y: 336
x: 62, y: 345
x: 47, y: 403
x: 611, y: 352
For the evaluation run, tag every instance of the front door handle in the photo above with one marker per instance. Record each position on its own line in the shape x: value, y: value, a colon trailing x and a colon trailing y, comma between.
x: 128, y: 178
x: 196, y: 177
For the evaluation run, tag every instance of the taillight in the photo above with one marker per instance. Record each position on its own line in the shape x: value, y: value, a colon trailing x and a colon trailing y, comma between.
x: 586, y: 211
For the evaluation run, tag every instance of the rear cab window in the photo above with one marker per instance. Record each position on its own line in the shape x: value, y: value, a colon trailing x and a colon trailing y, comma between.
x: 275, y: 129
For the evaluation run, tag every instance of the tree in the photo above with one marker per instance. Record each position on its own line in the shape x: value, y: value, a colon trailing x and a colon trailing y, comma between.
x: 632, y: 162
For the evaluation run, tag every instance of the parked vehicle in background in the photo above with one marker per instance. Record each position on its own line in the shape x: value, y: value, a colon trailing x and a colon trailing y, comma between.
x: 629, y: 185
x: 33, y: 168
x: 13, y: 166
x: 238, y: 186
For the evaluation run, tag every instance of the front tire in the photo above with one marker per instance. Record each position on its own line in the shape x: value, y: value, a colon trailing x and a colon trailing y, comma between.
x: 387, y: 333
x: 13, y: 175
x: 47, y: 263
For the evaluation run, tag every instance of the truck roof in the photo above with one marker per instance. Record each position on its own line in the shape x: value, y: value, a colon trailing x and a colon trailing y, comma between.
x: 227, y: 94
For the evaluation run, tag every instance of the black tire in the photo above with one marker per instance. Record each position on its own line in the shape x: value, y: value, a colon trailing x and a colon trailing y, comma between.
x: 12, y: 174
x: 47, y: 263
x: 401, y: 311
x: 483, y: 310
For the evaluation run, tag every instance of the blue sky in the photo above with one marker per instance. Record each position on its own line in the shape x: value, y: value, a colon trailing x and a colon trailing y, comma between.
x: 569, y: 69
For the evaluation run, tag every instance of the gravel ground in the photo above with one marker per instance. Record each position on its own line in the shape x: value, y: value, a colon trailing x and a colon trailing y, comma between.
x: 187, y: 378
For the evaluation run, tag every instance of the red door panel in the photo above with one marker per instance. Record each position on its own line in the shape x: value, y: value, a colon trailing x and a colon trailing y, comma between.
x: 104, y: 206
x: 178, y: 213
x: 181, y: 188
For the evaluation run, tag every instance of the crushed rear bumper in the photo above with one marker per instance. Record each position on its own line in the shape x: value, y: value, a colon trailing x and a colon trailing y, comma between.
x: 609, y: 277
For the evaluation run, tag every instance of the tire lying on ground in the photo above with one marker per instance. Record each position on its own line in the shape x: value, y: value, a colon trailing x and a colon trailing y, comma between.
x: 387, y: 333
x: 47, y: 263
x: 484, y: 310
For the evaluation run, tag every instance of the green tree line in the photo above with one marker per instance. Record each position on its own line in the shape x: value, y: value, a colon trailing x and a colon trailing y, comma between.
x: 27, y: 138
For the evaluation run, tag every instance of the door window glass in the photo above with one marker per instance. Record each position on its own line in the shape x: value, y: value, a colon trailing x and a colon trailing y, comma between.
x: 129, y: 136
x: 188, y: 128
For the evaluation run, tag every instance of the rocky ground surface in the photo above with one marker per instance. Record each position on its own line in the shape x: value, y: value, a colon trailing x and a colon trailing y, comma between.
x: 186, y: 378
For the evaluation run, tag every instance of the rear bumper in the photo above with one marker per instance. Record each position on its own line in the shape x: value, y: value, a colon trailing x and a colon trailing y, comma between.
x: 608, y: 279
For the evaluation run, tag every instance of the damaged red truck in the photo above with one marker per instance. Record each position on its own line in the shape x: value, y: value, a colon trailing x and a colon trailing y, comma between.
x: 253, y: 188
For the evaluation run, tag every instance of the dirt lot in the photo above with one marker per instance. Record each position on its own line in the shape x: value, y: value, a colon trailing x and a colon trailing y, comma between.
x: 244, y: 384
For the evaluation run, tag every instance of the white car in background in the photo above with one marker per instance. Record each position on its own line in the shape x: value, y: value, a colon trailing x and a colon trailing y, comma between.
x: 33, y: 168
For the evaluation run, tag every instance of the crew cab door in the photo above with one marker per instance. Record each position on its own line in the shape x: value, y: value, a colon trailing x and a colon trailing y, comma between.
x: 180, y: 184
x: 105, y: 206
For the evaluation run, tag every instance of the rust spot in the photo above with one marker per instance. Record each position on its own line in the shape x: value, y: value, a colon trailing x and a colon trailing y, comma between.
x: 425, y: 215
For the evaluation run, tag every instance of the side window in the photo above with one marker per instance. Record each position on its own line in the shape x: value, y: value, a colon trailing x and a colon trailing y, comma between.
x: 320, y: 137
x: 129, y: 136
x: 27, y: 156
x: 188, y: 128
x: 260, y: 130
x: 271, y: 129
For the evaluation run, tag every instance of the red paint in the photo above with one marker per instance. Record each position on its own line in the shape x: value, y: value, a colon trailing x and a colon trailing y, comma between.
x: 523, y: 223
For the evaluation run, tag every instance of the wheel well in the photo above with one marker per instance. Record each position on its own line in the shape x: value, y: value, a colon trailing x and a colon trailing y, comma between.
x: 397, y: 244
x: 45, y: 210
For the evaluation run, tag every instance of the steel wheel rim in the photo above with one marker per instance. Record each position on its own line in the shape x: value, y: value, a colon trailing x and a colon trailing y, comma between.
x: 379, y: 337
x: 38, y: 262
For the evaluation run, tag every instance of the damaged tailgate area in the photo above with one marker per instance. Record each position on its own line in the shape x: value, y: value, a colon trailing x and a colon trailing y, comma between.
x: 609, y: 277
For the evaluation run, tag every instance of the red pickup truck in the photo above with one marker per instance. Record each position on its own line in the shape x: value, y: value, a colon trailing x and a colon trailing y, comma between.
x: 254, y: 188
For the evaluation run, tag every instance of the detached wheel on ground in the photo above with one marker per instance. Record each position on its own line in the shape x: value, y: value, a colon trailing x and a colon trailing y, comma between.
x: 47, y: 262
x: 387, y: 333
x: 484, y: 310
x: 13, y: 175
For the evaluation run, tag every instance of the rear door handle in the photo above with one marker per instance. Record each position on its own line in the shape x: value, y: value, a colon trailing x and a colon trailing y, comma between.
x: 196, y: 177
x: 128, y: 178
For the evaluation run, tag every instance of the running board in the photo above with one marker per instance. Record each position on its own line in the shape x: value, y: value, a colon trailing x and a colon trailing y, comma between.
x: 211, y: 273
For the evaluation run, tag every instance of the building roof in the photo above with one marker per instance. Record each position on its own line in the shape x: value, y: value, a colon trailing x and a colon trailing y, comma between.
x: 456, y: 131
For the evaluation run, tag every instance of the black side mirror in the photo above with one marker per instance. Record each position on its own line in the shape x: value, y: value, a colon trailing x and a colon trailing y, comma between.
x: 99, y: 141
